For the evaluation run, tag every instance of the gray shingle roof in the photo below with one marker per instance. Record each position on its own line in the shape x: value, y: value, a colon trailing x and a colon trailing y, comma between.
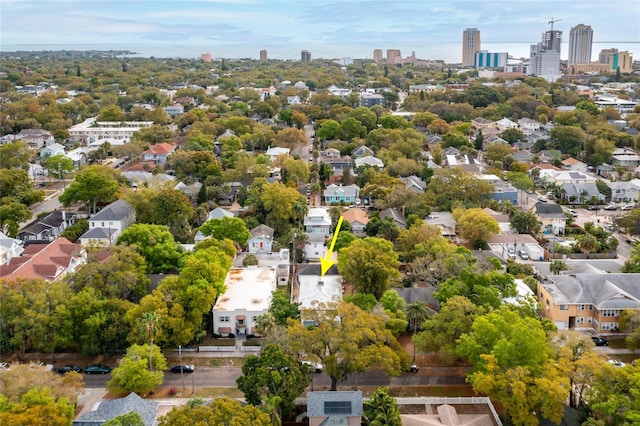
x: 610, y: 291
x: 115, y: 211
x: 109, y: 409
x: 548, y: 209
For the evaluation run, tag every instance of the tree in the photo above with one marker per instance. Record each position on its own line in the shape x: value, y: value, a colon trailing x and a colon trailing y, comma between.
x: 232, y: 228
x: 36, y: 408
x: 454, y: 185
x: 365, y: 116
x: 166, y: 206
x: 416, y: 313
x: 128, y: 419
x: 220, y: 412
x: 613, y: 397
x: 156, y: 244
x: 496, y: 152
x: 394, y: 311
x: 568, y: 139
x: 630, y: 222
x: 15, y: 185
x: 91, y: 185
x: 512, y: 135
x: 290, y: 137
x: 150, y: 322
x: 328, y: 130
x: 295, y: 171
x: 15, y: 155
x: 346, y: 340
x: 633, y: 264
x: 483, y: 289
x: 382, y: 409
x: 556, y: 266
x: 132, y: 373
x: 11, y: 214
x: 281, y: 308
x: 273, y: 373
x: 58, y: 165
x: 524, y: 222
x: 278, y: 200
x: 441, y: 331
x: 514, y: 364
x: 370, y: 264
x: 21, y: 379
x: 351, y: 128
x: 344, y: 239
x: 122, y: 275
x: 477, y: 227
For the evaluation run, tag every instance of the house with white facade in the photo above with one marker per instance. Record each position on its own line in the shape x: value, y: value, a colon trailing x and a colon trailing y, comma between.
x: 106, y: 226
x: 368, y: 161
x: 9, y: 248
x: 574, y: 165
x: 505, y: 124
x: 276, y: 151
x: 247, y: 295
x: 315, y: 247
x: 563, y: 177
x: 51, y: 150
x: 91, y: 130
x: 35, y: 139
x: 158, y: 154
x: 315, y: 288
x: 317, y: 221
x: 528, y: 126
x: 628, y: 191
x: 261, y: 239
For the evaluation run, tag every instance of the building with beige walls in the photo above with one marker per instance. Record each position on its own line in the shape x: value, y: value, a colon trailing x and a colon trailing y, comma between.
x: 470, y: 46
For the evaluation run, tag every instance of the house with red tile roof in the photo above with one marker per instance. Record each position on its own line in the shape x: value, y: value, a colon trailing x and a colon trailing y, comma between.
x: 159, y: 153
x: 48, y: 262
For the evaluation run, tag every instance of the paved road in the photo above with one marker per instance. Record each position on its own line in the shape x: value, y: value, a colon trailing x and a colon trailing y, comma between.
x: 50, y: 204
x: 226, y: 377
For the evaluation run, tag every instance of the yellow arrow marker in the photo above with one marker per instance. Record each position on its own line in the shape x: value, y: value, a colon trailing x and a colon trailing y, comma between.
x: 326, y: 262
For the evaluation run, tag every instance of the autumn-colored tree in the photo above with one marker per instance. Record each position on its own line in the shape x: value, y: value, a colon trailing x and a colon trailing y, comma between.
x: 346, y: 340
x: 476, y: 226
x: 220, y: 412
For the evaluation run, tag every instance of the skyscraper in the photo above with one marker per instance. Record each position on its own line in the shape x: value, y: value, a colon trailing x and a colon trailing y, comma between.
x: 305, y: 56
x: 580, y: 42
x: 470, y: 46
x: 545, y: 56
x: 263, y: 55
x: 377, y: 55
x: 606, y: 55
x: 392, y: 54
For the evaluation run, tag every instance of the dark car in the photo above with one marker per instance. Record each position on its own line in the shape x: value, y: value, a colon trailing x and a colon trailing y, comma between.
x: 69, y: 367
x: 594, y: 207
x: 600, y: 341
x: 184, y: 368
x: 97, y: 369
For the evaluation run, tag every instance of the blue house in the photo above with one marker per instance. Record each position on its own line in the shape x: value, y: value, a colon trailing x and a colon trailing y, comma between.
x: 503, y: 191
x: 261, y: 239
x: 336, y: 194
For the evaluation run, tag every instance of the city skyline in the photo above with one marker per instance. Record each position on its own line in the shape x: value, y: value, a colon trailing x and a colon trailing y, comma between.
x: 328, y: 29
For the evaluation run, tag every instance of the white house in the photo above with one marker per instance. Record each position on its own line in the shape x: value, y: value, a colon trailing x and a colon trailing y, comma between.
x: 276, y: 151
x: 625, y: 191
x: 368, y: 161
x: 315, y: 288
x: 9, y: 248
x: 51, y: 150
x: 90, y: 129
x: 261, y: 240
x: 247, y: 295
x: 106, y: 225
x: 505, y: 124
x: 341, y: 194
x: 528, y: 126
x: 317, y: 221
x: 562, y: 177
x: 314, y: 247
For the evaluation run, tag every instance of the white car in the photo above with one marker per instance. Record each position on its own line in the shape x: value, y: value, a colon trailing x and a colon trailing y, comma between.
x: 627, y: 207
x: 616, y: 363
x: 314, y: 367
x: 543, y: 199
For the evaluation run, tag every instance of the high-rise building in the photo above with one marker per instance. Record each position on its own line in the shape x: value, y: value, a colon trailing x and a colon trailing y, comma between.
x: 263, y: 55
x: 580, y: 42
x: 486, y: 59
x: 206, y: 57
x: 392, y: 54
x: 377, y: 55
x: 305, y: 56
x: 606, y: 55
x: 545, y: 56
x: 622, y: 61
x: 470, y: 46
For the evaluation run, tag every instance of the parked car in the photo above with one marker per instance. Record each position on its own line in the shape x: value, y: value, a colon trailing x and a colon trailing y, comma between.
x: 97, y: 369
x: 511, y: 253
x: 523, y: 255
x: 314, y: 367
x: 594, y: 207
x: 616, y: 363
x: 611, y: 207
x: 543, y: 199
x: 627, y: 207
x: 600, y: 341
x: 183, y: 368
x: 5, y: 366
x: 68, y: 368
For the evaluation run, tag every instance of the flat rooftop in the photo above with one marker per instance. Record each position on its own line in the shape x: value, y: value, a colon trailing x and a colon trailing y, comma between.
x: 247, y: 289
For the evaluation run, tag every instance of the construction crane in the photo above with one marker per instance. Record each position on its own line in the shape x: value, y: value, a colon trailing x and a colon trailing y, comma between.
x: 552, y: 22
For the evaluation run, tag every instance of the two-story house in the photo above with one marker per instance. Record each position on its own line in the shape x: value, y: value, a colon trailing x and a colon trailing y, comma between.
x: 357, y: 219
x: 36, y: 139
x: 247, y: 295
x: 589, y: 300
x: 106, y: 225
x: 336, y: 194
x: 317, y: 221
x: 551, y: 217
x: 628, y: 191
x: 574, y: 165
x: 47, y: 228
x: 528, y: 126
x: 51, y: 150
x: 9, y: 248
x: 158, y: 154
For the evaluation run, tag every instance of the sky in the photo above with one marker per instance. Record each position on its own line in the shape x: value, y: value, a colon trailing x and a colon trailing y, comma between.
x: 327, y: 28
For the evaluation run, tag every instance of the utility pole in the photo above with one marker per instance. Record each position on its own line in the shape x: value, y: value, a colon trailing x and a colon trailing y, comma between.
x: 181, y: 369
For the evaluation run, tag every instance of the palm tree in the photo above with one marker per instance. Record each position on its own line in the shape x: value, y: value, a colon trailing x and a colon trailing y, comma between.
x: 150, y: 322
x: 417, y: 313
x: 299, y: 210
